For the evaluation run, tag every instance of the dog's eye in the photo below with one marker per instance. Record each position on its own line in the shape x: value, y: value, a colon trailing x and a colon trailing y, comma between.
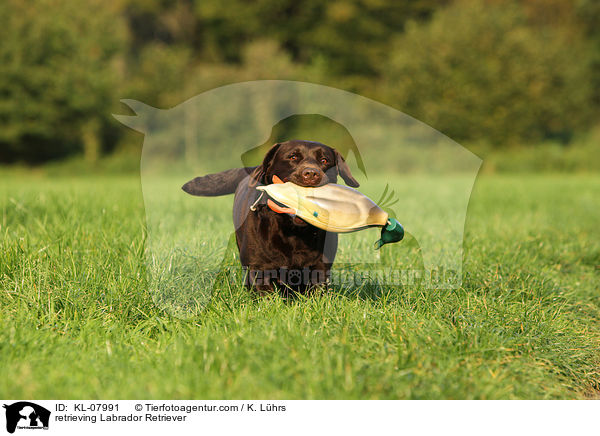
x: 324, y: 161
x: 293, y: 157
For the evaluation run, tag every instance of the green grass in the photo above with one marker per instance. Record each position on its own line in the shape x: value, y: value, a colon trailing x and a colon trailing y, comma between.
x: 77, y: 319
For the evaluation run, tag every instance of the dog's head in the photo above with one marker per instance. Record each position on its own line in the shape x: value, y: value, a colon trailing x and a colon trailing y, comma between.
x: 304, y: 163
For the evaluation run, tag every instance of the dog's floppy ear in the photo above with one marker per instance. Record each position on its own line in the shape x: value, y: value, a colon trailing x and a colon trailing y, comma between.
x: 344, y: 170
x: 258, y: 175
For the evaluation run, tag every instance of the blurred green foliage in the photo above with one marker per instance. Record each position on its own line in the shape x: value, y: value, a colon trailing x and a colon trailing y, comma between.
x: 481, y: 71
x: 58, y: 72
x: 491, y: 74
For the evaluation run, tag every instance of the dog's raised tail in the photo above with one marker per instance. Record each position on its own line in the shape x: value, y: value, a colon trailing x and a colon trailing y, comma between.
x: 223, y: 183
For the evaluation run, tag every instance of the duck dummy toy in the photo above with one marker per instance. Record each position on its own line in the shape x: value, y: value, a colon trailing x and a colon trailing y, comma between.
x: 331, y: 207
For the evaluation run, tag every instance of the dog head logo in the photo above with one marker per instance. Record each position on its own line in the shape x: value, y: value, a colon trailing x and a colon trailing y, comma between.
x: 424, y: 175
x: 26, y: 415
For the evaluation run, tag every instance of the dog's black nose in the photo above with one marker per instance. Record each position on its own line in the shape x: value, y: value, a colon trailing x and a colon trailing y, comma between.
x: 311, y: 176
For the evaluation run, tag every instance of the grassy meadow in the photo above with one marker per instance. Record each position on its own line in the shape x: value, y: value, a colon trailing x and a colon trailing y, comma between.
x: 77, y: 319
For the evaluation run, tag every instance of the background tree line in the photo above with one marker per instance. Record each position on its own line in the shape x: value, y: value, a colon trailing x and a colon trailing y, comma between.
x: 503, y: 73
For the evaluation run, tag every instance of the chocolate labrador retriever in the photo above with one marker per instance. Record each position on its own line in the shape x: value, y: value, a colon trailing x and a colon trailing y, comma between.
x: 279, y: 249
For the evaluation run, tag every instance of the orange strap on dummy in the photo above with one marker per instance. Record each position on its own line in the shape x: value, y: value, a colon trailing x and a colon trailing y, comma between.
x: 275, y: 207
